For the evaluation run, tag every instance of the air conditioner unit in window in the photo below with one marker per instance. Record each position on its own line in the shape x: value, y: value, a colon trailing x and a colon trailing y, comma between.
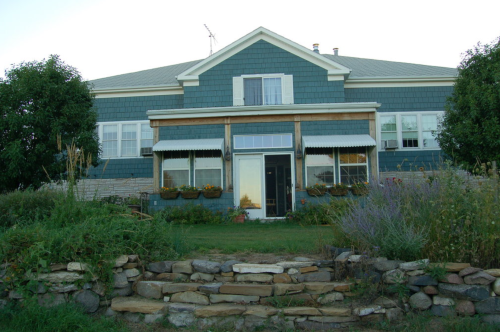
x: 146, y: 151
x: 390, y: 144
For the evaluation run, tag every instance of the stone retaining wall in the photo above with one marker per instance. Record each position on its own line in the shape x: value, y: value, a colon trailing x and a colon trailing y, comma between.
x: 300, y: 294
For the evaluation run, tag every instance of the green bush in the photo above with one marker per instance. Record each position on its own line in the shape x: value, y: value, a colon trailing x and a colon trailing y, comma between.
x: 190, y: 214
x: 320, y: 214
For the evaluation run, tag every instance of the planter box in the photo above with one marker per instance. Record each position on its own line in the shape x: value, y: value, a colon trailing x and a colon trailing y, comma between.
x: 316, y: 192
x: 359, y: 191
x: 212, y: 194
x: 239, y: 219
x: 339, y: 191
x: 190, y: 194
x: 169, y: 195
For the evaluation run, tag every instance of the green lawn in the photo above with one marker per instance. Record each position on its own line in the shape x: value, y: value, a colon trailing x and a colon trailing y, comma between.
x: 254, y: 237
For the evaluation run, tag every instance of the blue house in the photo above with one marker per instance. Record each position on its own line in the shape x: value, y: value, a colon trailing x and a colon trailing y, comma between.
x: 264, y: 118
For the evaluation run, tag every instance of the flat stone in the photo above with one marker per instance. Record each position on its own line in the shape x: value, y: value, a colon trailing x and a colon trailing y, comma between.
x: 63, y: 288
x: 356, y: 258
x: 136, y: 304
x: 306, y: 298
x: 259, y: 290
x: 330, y: 311
x: 125, y: 291
x: 491, y: 319
x: 220, y: 310
x: 301, y: 311
x: 443, y: 311
x: 415, y: 265
x: 190, y: 297
x: 385, y: 302
x: 453, y: 278
x: 183, y: 267
x: 450, y: 267
x: 283, y: 289
x: 281, y: 278
x: 343, y: 286
x: 150, y: 289
x: 51, y: 300
x: 308, y: 269
x: 295, y: 265
x: 120, y: 280
x: 57, y: 277
x: 386, y: 265
x: 464, y: 292
x: 465, y: 308
x: 228, y: 266
x: 343, y: 257
x: 153, y: 318
x: 394, y: 276
x: 373, y: 318
x: 197, y: 276
x: 181, y: 307
x: 488, y: 306
x: 88, y: 300
x: 257, y: 268
x: 496, y: 286
x: 120, y: 261
x: 332, y: 297
x: 324, y: 263
x: 444, y: 301
x: 58, y: 267
x: 255, y: 277
x: 160, y: 267
x: 415, y: 273
x: 317, y: 326
x: 171, y: 288
x: 479, y: 278
x: 260, y: 311
x: 365, y: 311
x: 172, y: 277
x: 469, y: 270
x: 76, y: 266
x: 130, y: 266
x: 420, y: 301
x: 493, y: 272
x: 430, y: 290
x: 204, y: 266
x: 333, y: 319
x: 227, y: 274
x: 321, y: 276
x: 210, y: 288
x: 394, y: 314
x: 319, y: 287
x: 422, y: 281
x: 220, y: 298
x: 223, y: 279
x: 133, y: 258
x: 131, y: 273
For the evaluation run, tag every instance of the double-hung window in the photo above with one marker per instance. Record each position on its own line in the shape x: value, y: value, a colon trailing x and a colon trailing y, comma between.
x: 353, y: 165
x: 207, y: 168
x: 109, y: 140
x: 176, y: 167
x: 124, y: 139
x: 266, y: 89
x: 319, y: 166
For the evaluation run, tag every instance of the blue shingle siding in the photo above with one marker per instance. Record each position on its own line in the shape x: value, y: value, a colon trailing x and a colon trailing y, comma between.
x: 310, y: 82
x: 123, y: 168
x: 402, y: 99
x: 192, y: 132
x: 134, y: 108
x: 409, y: 160
x: 262, y: 128
x: 344, y: 127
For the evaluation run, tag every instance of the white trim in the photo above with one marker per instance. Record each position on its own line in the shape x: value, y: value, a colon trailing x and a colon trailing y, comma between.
x: 260, y: 135
x: 138, y: 139
x: 138, y: 92
x: 395, y: 82
x: 399, y: 132
x: 333, y: 68
x: 191, y: 113
x: 367, y: 164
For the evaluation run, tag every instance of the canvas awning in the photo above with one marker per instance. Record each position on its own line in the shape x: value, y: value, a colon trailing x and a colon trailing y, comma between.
x: 337, y: 141
x: 190, y: 144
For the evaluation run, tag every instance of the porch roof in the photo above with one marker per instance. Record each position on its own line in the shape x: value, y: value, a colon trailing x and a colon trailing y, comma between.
x: 337, y: 141
x: 190, y: 144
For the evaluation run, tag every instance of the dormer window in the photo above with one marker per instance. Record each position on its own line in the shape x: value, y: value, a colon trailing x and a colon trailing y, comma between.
x: 268, y: 89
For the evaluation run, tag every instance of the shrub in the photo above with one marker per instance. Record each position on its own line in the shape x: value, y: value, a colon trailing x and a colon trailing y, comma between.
x: 190, y: 214
x: 320, y: 214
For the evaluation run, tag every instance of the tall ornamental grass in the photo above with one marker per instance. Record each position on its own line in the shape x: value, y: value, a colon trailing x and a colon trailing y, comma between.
x: 447, y: 217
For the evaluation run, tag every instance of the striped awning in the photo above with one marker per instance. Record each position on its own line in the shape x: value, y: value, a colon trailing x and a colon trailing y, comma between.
x: 337, y: 141
x: 190, y: 144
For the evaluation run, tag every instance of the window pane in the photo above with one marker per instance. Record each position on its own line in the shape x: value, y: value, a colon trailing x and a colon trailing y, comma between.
x: 317, y: 159
x: 253, y: 91
x: 146, y: 136
x: 263, y: 141
x: 129, y: 143
x: 272, y: 91
x: 353, y: 156
x: 175, y: 178
x: 257, y: 142
x: 429, y: 140
x: 429, y: 122
x: 208, y: 176
x: 287, y: 140
x: 110, y: 149
x: 110, y: 132
x: 410, y: 139
x: 388, y: 123
x: 248, y: 142
x: 267, y: 141
x: 353, y: 174
x: 129, y: 131
x: 388, y: 136
x: 409, y: 122
x: 319, y: 175
x: 239, y: 142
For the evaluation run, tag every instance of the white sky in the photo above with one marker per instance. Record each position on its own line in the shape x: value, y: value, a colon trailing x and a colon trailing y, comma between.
x: 109, y: 37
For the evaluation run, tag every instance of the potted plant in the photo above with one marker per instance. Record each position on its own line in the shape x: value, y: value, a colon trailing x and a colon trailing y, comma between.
x: 211, y: 191
x: 317, y: 190
x: 237, y: 214
x: 189, y: 192
x: 339, y: 189
x: 134, y: 203
x: 360, y: 188
x: 169, y: 193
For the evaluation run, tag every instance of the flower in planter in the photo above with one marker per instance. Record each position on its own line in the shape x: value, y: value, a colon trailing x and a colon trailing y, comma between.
x: 317, y: 186
x: 210, y: 187
x: 187, y: 188
x: 360, y: 185
x: 169, y: 190
x: 340, y: 186
x: 235, y: 211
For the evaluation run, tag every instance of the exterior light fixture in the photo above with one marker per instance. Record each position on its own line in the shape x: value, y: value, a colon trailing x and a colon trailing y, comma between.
x: 227, y: 156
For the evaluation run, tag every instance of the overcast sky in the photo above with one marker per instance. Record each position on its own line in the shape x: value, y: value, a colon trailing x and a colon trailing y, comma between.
x: 103, y: 38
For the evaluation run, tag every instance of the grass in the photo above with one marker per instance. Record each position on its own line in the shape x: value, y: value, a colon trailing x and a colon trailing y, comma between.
x: 276, y: 237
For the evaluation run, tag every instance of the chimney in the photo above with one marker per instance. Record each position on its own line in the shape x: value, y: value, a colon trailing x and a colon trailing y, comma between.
x: 316, y: 48
x: 335, y: 51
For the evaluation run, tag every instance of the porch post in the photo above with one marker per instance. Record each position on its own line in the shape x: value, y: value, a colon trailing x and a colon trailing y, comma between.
x: 298, y: 162
x: 374, y: 151
x: 156, y: 161
x: 228, y: 163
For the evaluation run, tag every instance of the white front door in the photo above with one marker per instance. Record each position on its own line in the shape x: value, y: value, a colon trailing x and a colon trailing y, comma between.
x: 249, y: 186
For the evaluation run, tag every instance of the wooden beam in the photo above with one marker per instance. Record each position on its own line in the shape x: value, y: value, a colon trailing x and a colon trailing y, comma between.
x: 374, y: 151
x: 228, y: 163
x: 156, y: 161
x: 298, y: 162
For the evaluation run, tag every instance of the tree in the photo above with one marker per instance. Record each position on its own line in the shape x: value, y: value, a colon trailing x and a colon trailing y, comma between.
x: 470, y: 130
x: 44, y: 106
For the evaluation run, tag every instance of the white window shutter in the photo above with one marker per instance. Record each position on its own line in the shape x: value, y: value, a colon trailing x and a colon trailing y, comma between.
x: 287, y: 89
x: 238, y: 91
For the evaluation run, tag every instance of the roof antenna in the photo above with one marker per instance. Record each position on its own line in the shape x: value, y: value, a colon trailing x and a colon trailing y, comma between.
x: 211, y: 36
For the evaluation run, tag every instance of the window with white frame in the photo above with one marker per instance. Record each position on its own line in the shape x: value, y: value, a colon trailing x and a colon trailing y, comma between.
x: 207, y: 168
x: 266, y: 89
x: 175, y: 168
x: 263, y: 141
x: 319, y: 166
x: 353, y: 164
x: 409, y: 130
x: 124, y: 139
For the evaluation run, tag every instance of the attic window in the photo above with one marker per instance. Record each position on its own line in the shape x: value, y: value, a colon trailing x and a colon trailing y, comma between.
x: 268, y: 89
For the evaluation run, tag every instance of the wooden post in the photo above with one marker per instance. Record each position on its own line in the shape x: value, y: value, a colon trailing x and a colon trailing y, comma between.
x: 374, y: 151
x: 156, y: 161
x: 228, y: 163
x: 298, y: 162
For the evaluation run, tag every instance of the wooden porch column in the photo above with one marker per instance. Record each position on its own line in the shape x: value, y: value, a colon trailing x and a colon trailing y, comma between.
x: 374, y: 151
x: 298, y: 162
x: 156, y: 161
x: 228, y: 163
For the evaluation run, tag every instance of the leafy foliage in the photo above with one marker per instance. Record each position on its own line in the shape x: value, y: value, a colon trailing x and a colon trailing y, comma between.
x: 39, y: 102
x: 471, y: 125
x: 189, y: 214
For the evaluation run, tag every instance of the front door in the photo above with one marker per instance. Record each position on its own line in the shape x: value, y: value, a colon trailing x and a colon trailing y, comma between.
x: 263, y: 184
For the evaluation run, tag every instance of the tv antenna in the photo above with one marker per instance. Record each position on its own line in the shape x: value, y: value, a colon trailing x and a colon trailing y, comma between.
x: 211, y: 36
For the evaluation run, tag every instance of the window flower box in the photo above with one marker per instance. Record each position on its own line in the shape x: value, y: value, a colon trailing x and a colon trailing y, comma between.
x: 169, y: 193
x: 211, y: 191
x: 188, y: 192
x: 316, y: 190
x: 360, y: 189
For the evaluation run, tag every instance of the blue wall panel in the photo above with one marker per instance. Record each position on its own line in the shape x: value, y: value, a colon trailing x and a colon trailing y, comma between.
x: 344, y: 127
x: 409, y: 160
x: 123, y: 168
x: 192, y: 132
